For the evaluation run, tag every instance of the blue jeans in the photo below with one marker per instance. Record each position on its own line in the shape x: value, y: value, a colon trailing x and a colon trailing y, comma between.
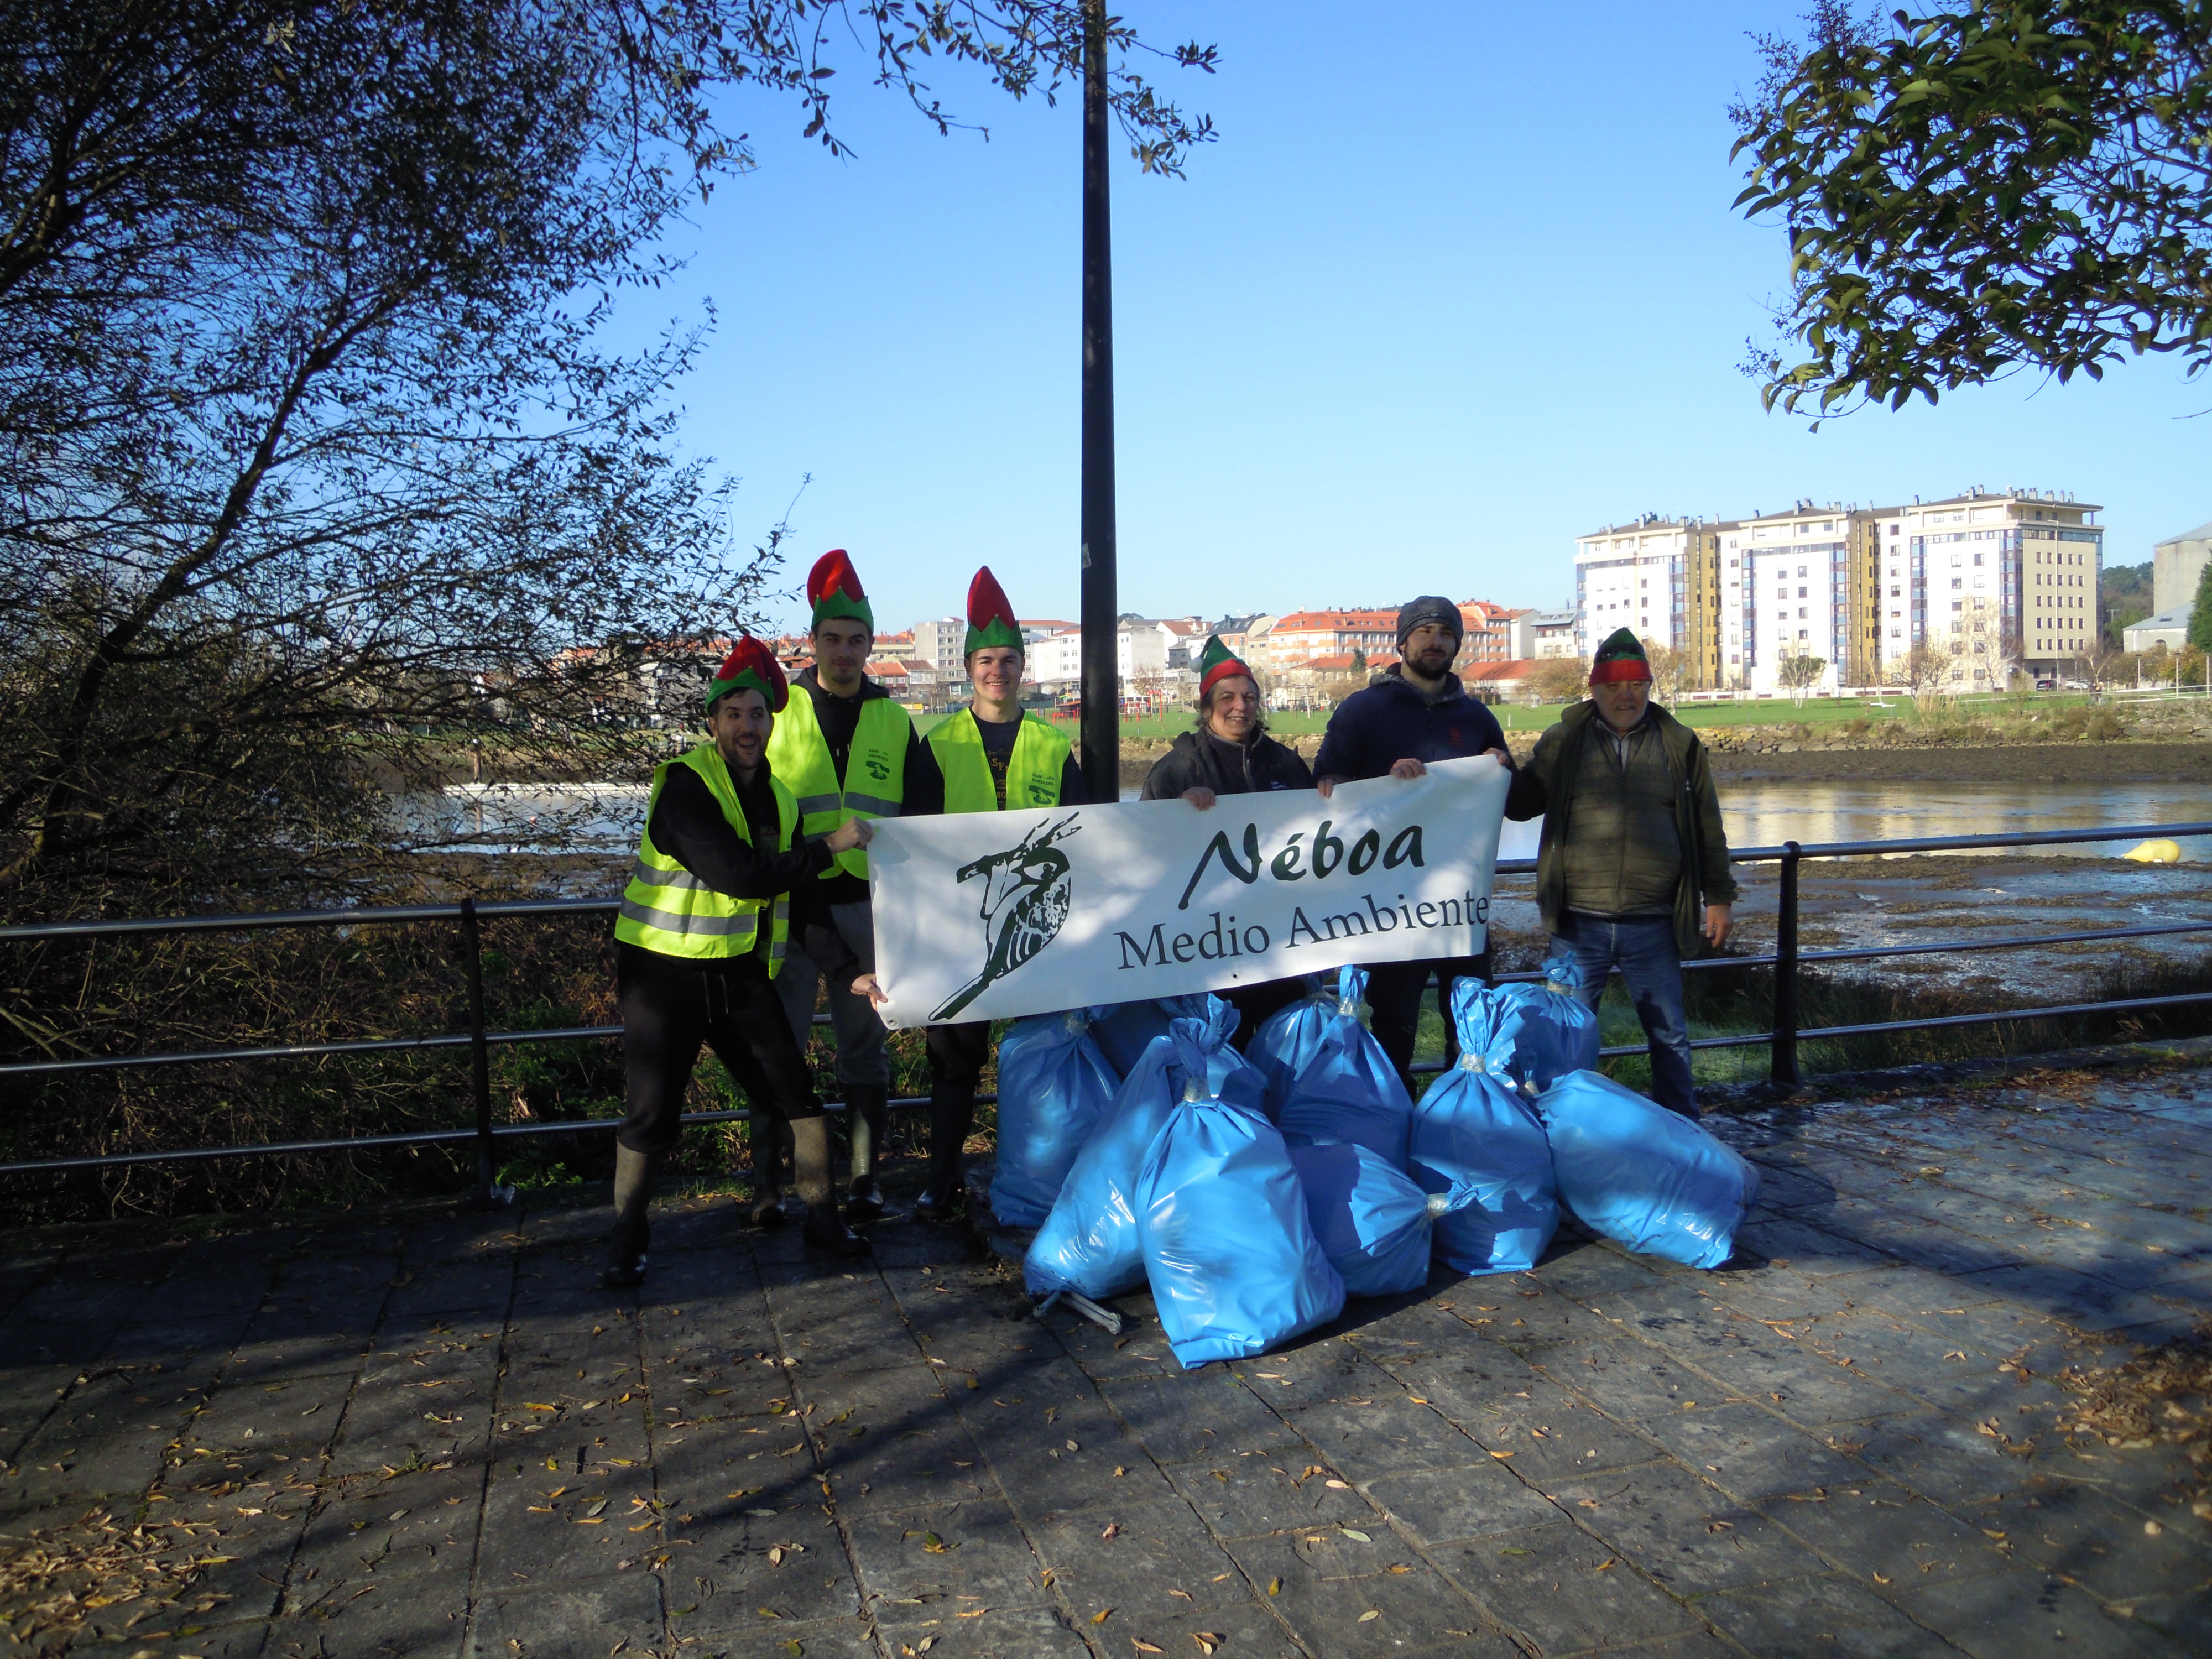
x: 1643, y: 948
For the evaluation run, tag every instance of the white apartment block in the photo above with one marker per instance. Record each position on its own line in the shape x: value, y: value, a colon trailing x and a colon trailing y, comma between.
x: 1631, y: 576
x: 1994, y: 581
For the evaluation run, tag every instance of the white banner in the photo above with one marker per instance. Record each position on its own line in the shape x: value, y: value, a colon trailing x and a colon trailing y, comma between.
x: 991, y: 915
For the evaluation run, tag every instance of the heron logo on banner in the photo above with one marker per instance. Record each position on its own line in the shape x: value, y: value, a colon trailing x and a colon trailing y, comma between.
x: 1027, y: 893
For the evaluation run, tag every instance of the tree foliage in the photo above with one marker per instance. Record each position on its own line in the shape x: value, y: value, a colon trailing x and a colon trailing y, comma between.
x: 1997, y: 185
x: 319, y: 464
x: 2199, y: 636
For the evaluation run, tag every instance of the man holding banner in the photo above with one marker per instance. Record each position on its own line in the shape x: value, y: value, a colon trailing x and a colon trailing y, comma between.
x: 849, y: 753
x: 992, y: 757
x: 1414, y: 715
x: 702, y: 936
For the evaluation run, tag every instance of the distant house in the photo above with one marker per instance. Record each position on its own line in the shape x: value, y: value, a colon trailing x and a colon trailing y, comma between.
x: 1499, y: 682
x: 2169, y: 629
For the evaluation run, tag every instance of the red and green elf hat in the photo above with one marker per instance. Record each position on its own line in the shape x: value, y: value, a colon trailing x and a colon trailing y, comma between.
x: 1620, y: 658
x: 751, y: 667
x: 833, y: 588
x: 990, y: 615
x: 1218, y: 663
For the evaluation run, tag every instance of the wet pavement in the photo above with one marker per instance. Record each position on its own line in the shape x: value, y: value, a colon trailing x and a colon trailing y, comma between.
x: 425, y: 1432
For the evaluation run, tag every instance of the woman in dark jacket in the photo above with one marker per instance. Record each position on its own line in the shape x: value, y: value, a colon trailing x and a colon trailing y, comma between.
x: 1228, y: 752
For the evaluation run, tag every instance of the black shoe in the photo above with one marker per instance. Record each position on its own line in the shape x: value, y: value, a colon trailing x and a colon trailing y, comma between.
x: 625, y: 1270
x: 765, y: 1210
x: 935, y: 1205
x: 825, y: 1232
x: 864, y: 1202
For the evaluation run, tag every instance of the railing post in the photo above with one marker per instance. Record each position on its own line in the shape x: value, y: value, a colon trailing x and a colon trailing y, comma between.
x: 1784, y: 1071
x: 489, y: 1194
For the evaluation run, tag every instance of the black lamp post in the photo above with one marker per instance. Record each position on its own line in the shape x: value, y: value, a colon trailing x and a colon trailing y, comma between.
x: 1101, y: 614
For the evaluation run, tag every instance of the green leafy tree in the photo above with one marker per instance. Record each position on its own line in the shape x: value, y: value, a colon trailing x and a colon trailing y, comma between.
x: 2200, y: 613
x: 1996, y: 184
x: 320, y: 460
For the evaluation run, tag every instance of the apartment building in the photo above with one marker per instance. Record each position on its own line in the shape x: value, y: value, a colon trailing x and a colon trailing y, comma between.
x: 1994, y: 581
x: 1494, y: 633
x: 1303, y: 637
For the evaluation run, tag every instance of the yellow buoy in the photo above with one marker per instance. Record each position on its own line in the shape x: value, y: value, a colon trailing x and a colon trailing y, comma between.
x: 2156, y: 852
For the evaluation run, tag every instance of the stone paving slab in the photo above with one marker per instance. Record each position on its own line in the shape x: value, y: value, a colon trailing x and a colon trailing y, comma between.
x: 422, y: 1432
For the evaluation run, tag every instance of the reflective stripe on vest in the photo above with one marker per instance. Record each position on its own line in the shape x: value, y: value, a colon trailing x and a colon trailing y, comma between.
x: 668, y: 910
x: 875, y: 770
x: 1033, y: 769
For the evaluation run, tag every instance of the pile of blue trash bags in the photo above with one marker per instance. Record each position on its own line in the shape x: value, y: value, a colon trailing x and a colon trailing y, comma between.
x: 1255, y: 1192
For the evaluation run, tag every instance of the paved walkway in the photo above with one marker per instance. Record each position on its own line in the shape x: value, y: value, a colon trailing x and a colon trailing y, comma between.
x: 429, y: 1434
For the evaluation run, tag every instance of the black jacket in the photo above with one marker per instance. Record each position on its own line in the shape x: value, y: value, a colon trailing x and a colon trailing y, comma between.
x: 688, y: 825
x: 1372, y: 731
x: 1200, y: 760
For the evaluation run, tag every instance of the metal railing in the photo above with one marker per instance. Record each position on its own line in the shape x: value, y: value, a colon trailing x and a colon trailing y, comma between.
x: 467, y: 916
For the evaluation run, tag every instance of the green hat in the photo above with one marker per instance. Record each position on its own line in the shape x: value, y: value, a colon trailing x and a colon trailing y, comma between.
x: 991, y: 615
x: 833, y: 588
x: 1217, y: 663
x: 1620, y: 658
x: 751, y: 666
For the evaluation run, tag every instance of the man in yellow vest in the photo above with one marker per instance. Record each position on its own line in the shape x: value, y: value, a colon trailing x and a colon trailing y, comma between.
x: 850, y: 753
x: 701, y: 937
x: 992, y: 757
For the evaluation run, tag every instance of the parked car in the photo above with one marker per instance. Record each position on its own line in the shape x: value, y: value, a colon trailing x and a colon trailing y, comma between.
x: 2047, y: 685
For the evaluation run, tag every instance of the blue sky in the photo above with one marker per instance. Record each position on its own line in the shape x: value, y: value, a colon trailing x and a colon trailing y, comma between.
x: 1440, y: 299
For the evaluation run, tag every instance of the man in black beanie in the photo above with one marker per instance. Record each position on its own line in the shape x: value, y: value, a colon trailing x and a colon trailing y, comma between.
x: 1413, y: 712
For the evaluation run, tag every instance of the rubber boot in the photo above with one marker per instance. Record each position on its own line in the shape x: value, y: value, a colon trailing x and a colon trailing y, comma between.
x: 636, y: 1174
x: 951, y: 1115
x: 763, y: 1206
x: 810, y: 1140
x: 867, y: 1123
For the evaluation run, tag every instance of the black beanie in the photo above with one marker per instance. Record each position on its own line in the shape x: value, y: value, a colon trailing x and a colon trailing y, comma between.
x: 1429, y: 608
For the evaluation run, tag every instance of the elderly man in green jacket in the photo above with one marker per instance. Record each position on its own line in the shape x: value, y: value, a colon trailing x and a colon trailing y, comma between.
x: 1633, y: 868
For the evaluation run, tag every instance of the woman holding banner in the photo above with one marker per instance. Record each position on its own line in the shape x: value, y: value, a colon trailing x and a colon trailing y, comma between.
x: 993, y: 758
x: 1228, y: 752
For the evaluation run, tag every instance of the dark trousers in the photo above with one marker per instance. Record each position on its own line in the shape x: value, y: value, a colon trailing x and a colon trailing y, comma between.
x: 1643, y: 948
x: 669, y: 1007
x: 1393, y: 992
x: 958, y: 1053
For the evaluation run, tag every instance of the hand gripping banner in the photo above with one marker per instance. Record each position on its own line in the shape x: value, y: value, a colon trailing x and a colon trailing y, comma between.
x: 992, y: 915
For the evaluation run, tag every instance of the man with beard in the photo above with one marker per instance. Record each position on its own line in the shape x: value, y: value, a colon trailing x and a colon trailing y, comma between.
x: 1413, y: 714
x: 1228, y: 752
x: 849, y: 752
x: 994, y: 758
x: 699, y: 942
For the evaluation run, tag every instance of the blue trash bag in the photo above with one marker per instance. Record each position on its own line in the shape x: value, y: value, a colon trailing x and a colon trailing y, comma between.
x: 1534, y: 1033
x: 1124, y: 1031
x: 1054, y: 1088
x: 1088, y: 1241
x: 1374, y: 1224
x: 1475, y: 1141
x: 1327, y: 1078
x: 1644, y: 1176
x: 1230, y: 1252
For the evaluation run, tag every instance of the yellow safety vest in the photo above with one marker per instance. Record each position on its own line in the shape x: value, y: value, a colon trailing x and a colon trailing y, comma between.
x: 667, y: 909
x: 1033, y: 769
x: 875, y: 770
